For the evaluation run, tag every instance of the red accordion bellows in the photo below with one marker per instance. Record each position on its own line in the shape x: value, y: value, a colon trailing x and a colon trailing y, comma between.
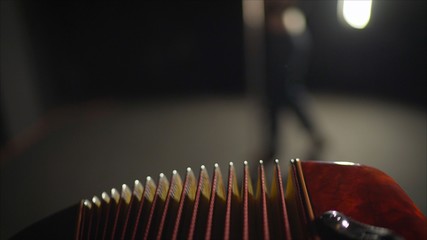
x: 189, y: 208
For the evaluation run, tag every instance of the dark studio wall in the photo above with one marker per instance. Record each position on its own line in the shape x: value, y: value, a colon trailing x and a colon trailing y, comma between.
x: 134, y: 50
x: 89, y: 50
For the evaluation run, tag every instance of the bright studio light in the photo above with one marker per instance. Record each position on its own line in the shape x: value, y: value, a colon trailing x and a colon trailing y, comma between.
x: 356, y: 13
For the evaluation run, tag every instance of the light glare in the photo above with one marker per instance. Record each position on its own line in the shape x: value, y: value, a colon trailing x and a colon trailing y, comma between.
x: 294, y: 21
x: 356, y: 12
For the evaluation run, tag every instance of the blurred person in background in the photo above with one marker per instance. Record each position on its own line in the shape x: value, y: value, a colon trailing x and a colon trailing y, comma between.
x: 288, y: 43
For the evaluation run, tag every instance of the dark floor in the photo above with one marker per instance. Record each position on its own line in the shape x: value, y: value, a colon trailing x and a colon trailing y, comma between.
x: 80, y: 151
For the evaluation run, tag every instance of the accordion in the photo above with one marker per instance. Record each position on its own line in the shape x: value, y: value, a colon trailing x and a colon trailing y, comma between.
x: 323, y: 200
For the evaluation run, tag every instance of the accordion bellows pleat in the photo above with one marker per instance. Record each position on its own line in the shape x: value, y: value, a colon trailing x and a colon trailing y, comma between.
x: 190, y: 208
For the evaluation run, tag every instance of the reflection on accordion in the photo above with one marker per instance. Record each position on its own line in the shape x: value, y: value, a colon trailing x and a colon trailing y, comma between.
x: 215, y: 208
